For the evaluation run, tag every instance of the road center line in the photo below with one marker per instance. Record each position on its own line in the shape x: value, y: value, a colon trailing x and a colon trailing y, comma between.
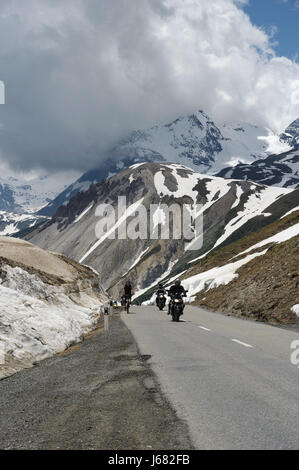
x: 243, y: 344
x: 203, y: 328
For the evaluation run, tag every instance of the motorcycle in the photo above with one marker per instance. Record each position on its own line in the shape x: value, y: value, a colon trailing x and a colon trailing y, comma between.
x: 176, y: 306
x: 161, y: 301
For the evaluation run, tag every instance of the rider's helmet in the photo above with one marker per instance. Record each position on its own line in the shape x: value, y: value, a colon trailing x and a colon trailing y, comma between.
x: 161, y: 285
x: 177, y: 282
x: 128, y: 283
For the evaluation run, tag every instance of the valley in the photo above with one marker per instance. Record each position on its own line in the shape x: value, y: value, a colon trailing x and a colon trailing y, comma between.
x: 61, y: 267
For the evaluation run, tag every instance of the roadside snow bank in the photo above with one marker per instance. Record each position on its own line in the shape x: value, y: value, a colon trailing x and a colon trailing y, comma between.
x: 38, y: 320
x: 295, y: 309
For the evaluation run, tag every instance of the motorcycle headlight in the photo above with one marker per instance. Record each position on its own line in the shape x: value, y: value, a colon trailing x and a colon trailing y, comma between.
x: 176, y: 300
x: 161, y: 296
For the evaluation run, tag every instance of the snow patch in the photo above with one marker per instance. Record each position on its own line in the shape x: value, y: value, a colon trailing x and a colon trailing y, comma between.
x: 274, y: 144
x: 83, y: 213
x: 38, y: 320
x: 290, y: 212
x: 295, y: 309
x: 278, y: 238
x: 130, y: 211
x: 137, y: 261
x: 217, y: 276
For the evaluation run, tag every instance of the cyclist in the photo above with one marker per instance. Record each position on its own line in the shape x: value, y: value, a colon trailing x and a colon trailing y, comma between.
x: 128, y: 291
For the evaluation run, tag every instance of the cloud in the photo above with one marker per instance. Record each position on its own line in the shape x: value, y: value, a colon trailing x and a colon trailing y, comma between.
x: 79, y: 74
x: 294, y: 4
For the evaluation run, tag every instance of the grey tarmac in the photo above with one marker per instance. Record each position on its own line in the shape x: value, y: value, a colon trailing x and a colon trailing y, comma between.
x: 230, y: 379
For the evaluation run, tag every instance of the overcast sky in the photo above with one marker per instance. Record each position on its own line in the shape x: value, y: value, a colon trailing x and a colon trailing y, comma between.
x: 80, y: 74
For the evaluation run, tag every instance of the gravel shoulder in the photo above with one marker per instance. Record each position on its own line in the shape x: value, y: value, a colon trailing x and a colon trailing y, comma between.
x: 99, y: 395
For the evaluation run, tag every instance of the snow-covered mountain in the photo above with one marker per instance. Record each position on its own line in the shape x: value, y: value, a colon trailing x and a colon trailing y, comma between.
x: 231, y: 209
x: 21, y: 198
x: 12, y: 223
x: 291, y: 135
x: 198, y: 142
x: 275, y: 170
x: 21, y: 195
x: 194, y: 140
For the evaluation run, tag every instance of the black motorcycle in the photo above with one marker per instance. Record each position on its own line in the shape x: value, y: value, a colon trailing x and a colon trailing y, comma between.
x: 177, y: 306
x: 161, y: 301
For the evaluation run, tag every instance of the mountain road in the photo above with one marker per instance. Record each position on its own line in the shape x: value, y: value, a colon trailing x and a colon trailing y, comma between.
x: 231, y: 380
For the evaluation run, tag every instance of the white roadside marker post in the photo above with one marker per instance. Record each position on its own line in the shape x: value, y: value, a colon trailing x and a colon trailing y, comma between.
x: 106, y: 317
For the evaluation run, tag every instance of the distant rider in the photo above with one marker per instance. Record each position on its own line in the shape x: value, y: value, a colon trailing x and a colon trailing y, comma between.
x: 161, y: 291
x: 177, y: 288
x: 128, y: 291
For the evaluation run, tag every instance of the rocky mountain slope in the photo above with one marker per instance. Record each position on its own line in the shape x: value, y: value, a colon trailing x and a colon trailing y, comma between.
x: 194, y: 140
x: 231, y: 209
x: 277, y: 170
x: 256, y: 277
x: 47, y: 303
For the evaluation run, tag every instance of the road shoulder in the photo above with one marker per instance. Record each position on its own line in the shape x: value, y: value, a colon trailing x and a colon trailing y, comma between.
x: 102, y: 395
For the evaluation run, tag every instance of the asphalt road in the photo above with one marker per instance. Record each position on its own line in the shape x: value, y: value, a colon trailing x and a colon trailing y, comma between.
x: 101, y: 394
x: 231, y: 380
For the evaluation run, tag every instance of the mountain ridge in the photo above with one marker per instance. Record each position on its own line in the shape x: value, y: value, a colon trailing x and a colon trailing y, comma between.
x: 193, y: 140
x: 230, y: 208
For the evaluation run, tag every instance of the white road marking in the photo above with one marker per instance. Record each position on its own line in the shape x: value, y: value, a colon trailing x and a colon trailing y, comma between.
x: 203, y: 328
x: 242, y: 344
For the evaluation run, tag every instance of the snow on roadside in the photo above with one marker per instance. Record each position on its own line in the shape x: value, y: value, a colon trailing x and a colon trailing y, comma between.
x: 38, y: 320
x: 295, y: 309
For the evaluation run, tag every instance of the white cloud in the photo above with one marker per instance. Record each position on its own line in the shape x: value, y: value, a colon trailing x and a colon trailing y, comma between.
x: 80, y: 73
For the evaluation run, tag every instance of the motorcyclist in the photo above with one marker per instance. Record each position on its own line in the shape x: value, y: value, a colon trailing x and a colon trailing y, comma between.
x: 161, y: 291
x: 177, y: 288
x: 128, y: 291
